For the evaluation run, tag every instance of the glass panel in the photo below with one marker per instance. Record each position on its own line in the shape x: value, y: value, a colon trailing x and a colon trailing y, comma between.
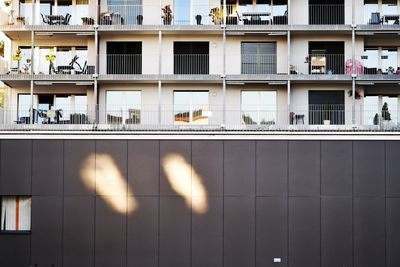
x: 64, y: 57
x: 371, y: 61
x: 371, y: 108
x: 389, y: 60
x: 64, y: 7
x: 181, y: 12
x: 64, y: 103
x: 25, y: 10
x: 15, y: 213
x: 259, y: 107
x: 47, y: 7
x: 123, y: 107
x: 393, y: 107
x: 24, y: 65
x: 182, y: 107
x: 199, y: 106
x: 201, y: 8
x: 82, y: 10
x: 389, y: 7
x: 370, y: 7
x: 82, y: 54
x: 81, y: 104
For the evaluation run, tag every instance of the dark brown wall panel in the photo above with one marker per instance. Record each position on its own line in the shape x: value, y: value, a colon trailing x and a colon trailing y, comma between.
x: 304, y: 232
x: 78, y: 231
x: 336, y: 168
x: 47, y: 230
x: 392, y: 168
x: 172, y: 148
x: 47, y: 167
x: 336, y: 232
x: 174, y: 232
x: 393, y: 232
x: 239, y: 168
x: 143, y: 167
x: 271, y: 231
x: 110, y: 234
x: 304, y: 168
x: 15, y: 250
x: 16, y: 162
x: 78, y: 155
x: 207, y: 235
x: 369, y: 168
x: 369, y: 232
x: 239, y: 231
x: 207, y: 157
x: 143, y: 233
x: 272, y: 168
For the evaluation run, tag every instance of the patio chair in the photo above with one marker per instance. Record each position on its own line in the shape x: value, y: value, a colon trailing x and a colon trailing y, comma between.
x: 67, y: 19
x: 240, y: 18
x: 83, y: 70
x: 45, y: 19
x: 375, y: 18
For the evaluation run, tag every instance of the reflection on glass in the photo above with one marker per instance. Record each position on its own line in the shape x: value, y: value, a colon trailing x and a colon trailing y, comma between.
x: 190, y: 107
x: 123, y: 107
x: 181, y: 12
x: 389, y: 7
x: 372, y: 109
x: 82, y: 10
x: 371, y: 58
x: 370, y: 6
x: 258, y: 107
x: 25, y: 10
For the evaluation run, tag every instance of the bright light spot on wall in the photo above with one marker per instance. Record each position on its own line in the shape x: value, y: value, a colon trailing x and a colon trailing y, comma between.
x: 186, y: 182
x: 100, y: 172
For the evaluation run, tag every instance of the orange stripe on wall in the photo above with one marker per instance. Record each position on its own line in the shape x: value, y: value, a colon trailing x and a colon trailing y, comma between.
x: 17, y: 214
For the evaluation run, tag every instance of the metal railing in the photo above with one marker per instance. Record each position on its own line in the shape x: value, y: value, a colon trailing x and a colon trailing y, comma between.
x: 123, y: 64
x: 235, y: 16
x: 317, y: 64
x: 149, y: 117
x: 191, y: 63
x: 374, y: 65
x: 259, y: 64
x: 45, y: 19
x: 326, y: 14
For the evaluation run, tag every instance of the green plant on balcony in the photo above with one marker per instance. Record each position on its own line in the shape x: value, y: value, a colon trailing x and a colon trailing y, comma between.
x: 1, y: 48
x: 167, y: 16
x: 88, y: 21
x: 20, y: 20
x: 216, y: 15
x: 17, y: 55
x: 385, y: 112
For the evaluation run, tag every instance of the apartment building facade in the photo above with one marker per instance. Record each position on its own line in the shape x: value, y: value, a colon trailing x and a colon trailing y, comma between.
x: 212, y: 60
x: 200, y: 133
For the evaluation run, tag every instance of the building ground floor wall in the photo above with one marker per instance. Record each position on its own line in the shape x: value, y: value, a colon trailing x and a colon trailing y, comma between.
x: 215, y: 202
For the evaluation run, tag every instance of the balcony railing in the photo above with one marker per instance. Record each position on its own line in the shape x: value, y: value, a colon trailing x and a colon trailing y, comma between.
x: 326, y: 14
x: 235, y: 16
x: 374, y: 65
x: 153, y: 117
x: 191, y: 64
x: 259, y: 64
x: 317, y: 64
x: 124, y: 64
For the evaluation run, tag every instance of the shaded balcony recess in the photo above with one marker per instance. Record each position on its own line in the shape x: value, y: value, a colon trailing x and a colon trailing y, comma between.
x: 324, y: 12
x: 191, y: 58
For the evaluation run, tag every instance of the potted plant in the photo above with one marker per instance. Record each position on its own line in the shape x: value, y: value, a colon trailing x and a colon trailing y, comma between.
x: 198, y: 19
x: 216, y: 15
x: 7, y: 3
x: 167, y: 17
x: 20, y: 20
x: 385, y: 114
x: 327, y: 114
x: 17, y: 55
x: 391, y: 70
x: 88, y: 21
x: 358, y: 95
x: 293, y: 69
x: 376, y: 119
x: 139, y: 19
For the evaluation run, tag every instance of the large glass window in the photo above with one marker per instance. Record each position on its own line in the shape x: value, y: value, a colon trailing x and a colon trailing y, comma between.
x: 258, y: 107
x: 191, y: 107
x: 258, y: 58
x: 15, y: 213
x: 123, y: 107
x: 373, y: 111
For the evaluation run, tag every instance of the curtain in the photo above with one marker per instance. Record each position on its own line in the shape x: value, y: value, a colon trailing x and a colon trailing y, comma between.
x: 15, y: 213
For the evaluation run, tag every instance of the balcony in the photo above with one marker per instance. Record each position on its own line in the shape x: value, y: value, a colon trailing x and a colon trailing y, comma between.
x: 326, y: 117
x: 320, y: 64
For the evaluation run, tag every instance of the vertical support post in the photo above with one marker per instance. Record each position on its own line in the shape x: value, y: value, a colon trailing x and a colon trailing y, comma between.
x: 224, y: 72
x: 288, y: 71
x: 288, y: 9
x: 95, y: 76
x: 32, y: 73
x: 353, y: 59
x: 159, y: 75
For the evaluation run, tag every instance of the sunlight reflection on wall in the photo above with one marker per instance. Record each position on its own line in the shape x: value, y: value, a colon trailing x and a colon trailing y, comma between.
x: 108, y: 182
x: 186, y: 182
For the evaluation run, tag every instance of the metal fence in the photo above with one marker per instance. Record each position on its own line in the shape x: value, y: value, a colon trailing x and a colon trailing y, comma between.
x: 326, y: 14
x: 317, y: 64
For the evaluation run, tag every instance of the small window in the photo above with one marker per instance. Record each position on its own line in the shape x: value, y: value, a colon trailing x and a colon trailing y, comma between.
x: 15, y: 213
